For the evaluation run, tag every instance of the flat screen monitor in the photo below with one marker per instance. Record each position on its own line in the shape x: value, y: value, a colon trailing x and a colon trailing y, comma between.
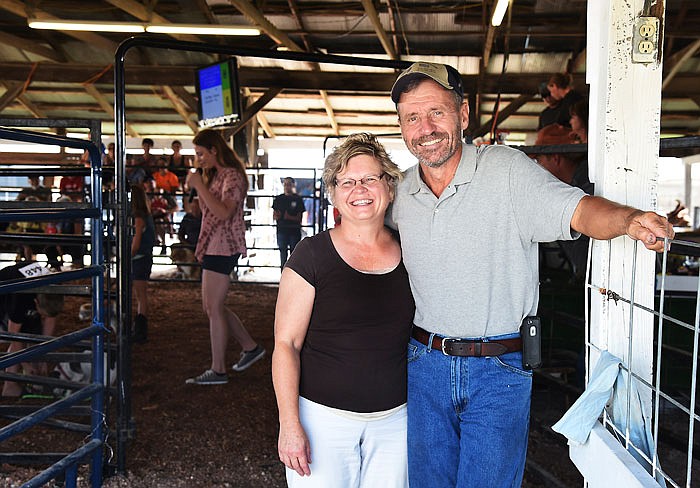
x: 218, y: 94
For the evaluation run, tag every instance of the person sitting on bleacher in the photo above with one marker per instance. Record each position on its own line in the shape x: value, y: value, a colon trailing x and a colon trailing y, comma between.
x: 36, y: 190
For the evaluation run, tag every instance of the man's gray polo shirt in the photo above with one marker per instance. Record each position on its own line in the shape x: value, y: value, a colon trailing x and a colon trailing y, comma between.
x: 472, y: 254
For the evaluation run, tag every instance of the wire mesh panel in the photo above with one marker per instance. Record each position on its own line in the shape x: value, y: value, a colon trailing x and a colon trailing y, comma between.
x: 663, y: 434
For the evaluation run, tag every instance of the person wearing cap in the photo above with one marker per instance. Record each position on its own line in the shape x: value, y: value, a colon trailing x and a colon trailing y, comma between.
x: 464, y: 213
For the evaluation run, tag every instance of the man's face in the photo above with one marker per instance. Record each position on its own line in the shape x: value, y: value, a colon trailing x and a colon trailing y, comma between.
x: 288, y: 186
x: 432, y: 123
x: 556, y: 92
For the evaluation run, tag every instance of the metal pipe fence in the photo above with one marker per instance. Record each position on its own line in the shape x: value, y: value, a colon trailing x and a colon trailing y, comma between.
x: 92, y: 450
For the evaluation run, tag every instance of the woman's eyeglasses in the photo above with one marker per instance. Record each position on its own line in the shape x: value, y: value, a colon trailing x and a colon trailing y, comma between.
x: 368, y: 181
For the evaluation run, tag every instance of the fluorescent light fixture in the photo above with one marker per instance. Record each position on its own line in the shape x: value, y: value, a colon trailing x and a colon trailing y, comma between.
x: 202, y: 29
x: 86, y: 25
x: 499, y: 12
x: 136, y: 27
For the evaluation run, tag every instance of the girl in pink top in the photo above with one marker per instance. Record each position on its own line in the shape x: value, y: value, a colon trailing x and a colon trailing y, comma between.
x: 221, y: 188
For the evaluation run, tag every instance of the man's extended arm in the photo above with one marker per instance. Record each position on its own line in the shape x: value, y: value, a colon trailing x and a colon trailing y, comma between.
x: 603, y: 219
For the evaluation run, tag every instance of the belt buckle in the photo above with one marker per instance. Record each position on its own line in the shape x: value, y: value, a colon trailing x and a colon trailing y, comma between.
x: 448, y: 340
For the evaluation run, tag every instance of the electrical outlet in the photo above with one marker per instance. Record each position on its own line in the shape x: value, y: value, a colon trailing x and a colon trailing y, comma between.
x: 645, y: 40
x: 646, y: 47
x: 647, y: 29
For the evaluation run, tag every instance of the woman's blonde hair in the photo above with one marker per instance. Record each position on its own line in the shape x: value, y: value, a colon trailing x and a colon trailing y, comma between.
x: 356, y: 145
x: 210, y: 139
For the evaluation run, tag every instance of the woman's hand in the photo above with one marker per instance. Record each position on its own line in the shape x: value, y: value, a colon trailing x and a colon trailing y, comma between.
x: 294, y: 449
x: 194, y: 180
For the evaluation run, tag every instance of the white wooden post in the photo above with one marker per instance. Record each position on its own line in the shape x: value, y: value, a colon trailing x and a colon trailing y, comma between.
x: 625, y: 106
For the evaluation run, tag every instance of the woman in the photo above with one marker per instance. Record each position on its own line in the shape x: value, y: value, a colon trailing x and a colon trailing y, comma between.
x: 141, y: 258
x: 221, y: 189
x: 342, y: 324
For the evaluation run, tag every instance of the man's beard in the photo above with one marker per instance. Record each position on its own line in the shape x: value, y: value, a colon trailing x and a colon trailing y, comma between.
x: 438, y: 159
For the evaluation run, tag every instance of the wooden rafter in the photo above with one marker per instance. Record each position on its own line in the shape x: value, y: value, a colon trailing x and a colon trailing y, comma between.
x: 106, y: 107
x: 294, y: 9
x: 250, y: 112
x: 371, y: 12
x: 185, y: 97
x: 30, y: 46
x: 139, y: 11
x: 674, y: 64
x: 262, y: 120
x: 309, y: 47
x: 204, y: 8
x: 329, y: 112
x: 503, y: 114
x: 13, y: 91
x: 20, y: 9
x: 31, y: 107
x: 256, y: 17
x: 180, y: 107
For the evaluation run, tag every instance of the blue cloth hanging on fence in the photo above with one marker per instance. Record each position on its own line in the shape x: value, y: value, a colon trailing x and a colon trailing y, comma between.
x: 608, y: 379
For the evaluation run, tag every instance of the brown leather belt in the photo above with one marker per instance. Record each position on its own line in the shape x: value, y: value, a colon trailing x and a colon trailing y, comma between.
x: 467, y: 347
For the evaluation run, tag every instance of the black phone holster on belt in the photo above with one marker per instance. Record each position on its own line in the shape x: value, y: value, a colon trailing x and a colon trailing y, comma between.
x: 530, y: 332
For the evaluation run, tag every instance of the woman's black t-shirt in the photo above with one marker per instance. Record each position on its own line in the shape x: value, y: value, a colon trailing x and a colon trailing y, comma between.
x: 354, y: 353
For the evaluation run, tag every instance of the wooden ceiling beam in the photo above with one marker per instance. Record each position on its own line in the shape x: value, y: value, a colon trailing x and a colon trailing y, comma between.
x: 294, y: 9
x: 180, y: 107
x: 674, y: 63
x: 502, y: 114
x: 262, y: 120
x: 30, y: 47
x: 20, y: 9
x: 684, y: 85
x: 13, y: 91
x: 187, y: 98
x: 256, y: 17
x: 106, y: 107
x: 29, y: 105
x: 373, y: 16
x: 138, y: 10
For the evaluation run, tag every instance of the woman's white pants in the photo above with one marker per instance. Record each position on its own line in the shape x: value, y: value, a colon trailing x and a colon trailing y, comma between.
x: 351, y: 452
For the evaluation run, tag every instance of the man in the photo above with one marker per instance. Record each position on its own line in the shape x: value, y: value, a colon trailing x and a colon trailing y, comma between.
x: 550, y: 114
x: 147, y: 161
x: 165, y: 179
x: 572, y: 169
x: 287, y: 210
x: 26, y: 313
x: 469, y: 221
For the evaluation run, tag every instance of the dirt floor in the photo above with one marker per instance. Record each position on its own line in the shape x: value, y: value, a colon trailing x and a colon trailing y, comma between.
x: 225, y: 436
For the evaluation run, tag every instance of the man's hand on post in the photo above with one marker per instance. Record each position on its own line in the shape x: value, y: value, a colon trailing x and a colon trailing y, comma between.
x: 646, y: 227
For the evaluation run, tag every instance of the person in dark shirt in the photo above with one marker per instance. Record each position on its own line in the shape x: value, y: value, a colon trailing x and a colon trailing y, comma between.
x: 190, y: 225
x: 342, y: 322
x: 26, y: 313
x: 561, y: 86
x: 36, y: 190
x: 287, y: 210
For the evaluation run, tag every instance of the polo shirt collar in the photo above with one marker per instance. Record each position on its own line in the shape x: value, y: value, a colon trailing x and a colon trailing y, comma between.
x: 464, y: 174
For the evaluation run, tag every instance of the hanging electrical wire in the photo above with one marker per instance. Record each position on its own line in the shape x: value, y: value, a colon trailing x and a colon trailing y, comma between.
x: 504, y: 65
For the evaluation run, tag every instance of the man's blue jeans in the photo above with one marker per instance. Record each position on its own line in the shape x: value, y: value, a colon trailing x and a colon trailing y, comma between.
x: 467, y: 419
x: 287, y: 239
